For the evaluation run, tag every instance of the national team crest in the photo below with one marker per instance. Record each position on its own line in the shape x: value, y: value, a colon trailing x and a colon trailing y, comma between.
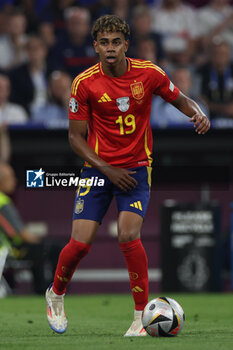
x: 137, y: 90
x: 123, y: 103
x: 73, y: 105
x: 79, y: 206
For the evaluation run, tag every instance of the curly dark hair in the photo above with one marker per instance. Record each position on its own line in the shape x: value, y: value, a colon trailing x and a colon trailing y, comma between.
x: 110, y: 23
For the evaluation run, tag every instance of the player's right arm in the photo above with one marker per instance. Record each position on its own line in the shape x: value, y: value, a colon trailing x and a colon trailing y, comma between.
x: 77, y: 138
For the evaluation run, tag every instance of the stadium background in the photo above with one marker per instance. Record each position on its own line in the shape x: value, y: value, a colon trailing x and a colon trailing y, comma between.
x: 188, y: 169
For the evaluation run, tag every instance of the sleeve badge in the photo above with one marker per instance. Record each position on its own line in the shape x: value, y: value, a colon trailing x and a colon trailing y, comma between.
x: 73, y: 105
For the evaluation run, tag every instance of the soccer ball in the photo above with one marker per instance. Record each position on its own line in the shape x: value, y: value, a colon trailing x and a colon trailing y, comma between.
x: 163, y: 317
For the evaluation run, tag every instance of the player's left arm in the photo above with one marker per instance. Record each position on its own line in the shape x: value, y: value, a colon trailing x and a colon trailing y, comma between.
x: 190, y: 108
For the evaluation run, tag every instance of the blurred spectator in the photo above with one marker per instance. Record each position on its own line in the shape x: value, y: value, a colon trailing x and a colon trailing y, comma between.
x: 3, y: 23
x: 164, y: 114
x: 13, y: 233
x: 10, y: 113
x: 12, y: 44
x: 29, y: 81
x: 54, y: 12
x: 216, y: 80
x: 8, y: 183
x: 121, y: 8
x: 56, y: 109
x: 178, y: 25
x: 46, y: 32
x: 29, y: 10
x: 145, y: 49
x: 216, y: 19
x: 5, y: 147
x: 74, y: 51
x: 102, y: 7
x: 142, y: 28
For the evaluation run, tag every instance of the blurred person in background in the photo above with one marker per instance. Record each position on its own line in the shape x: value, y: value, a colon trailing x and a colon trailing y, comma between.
x: 142, y: 28
x: 5, y: 146
x: 164, y: 114
x: 73, y: 52
x: 216, y: 80
x: 3, y: 22
x: 145, y: 49
x: 47, y: 33
x: 56, y: 109
x: 100, y: 8
x: 30, y: 80
x: 177, y: 23
x: 121, y: 8
x: 19, y: 241
x: 90, y: 4
x: 52, y: 21
x: 54, y: 13
x: 30, y: 10
x: 15, y: 239
x: 10, y: 113
x: 12, y: 44
x: 216, y: 19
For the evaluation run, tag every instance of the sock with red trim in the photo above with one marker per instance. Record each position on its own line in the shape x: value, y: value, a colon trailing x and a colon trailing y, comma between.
x: 69, y: 258
x: 137, y: 264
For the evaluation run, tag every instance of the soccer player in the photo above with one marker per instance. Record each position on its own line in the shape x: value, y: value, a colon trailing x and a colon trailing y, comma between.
x: 112, y: 102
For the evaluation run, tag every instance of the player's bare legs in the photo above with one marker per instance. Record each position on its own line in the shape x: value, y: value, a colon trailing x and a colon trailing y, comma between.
x: 83, y: 234
x: 84, y: 230
x: 129, y: 227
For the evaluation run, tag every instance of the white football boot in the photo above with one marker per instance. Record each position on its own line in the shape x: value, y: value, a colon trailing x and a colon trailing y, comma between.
x: 136, y: 329
x: 55, y: 311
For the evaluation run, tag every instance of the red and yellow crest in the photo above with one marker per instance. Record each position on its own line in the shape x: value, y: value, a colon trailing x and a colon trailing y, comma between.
x: 137, y: 90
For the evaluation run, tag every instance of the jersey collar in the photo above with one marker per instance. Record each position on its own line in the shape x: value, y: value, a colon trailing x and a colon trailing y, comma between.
x: 128, y: 68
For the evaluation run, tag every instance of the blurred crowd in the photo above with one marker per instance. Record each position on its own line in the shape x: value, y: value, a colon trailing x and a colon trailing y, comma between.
x: 44, y: 44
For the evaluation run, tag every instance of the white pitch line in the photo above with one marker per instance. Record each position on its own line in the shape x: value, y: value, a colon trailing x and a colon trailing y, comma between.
x: 110, y: 275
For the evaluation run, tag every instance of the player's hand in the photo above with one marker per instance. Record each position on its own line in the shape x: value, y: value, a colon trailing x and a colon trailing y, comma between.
x: 121, y: 177
x: 201, y: 123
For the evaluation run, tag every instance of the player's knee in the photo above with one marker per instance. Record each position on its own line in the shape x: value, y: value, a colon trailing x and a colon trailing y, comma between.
x: 86, y: 239
x: 85, y: 236
x: 128, y: 235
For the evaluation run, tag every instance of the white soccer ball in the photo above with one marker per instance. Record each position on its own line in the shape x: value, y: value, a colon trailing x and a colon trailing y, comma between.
x: 163, y: 317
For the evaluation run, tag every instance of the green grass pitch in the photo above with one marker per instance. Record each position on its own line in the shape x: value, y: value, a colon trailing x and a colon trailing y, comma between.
x: 99, y: 322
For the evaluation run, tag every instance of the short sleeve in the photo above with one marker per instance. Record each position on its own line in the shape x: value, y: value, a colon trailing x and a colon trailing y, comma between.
x: 164, y: 87
x: 79, y: 108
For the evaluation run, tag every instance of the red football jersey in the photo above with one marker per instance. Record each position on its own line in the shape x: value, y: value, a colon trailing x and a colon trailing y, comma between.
x: 118, y: 110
